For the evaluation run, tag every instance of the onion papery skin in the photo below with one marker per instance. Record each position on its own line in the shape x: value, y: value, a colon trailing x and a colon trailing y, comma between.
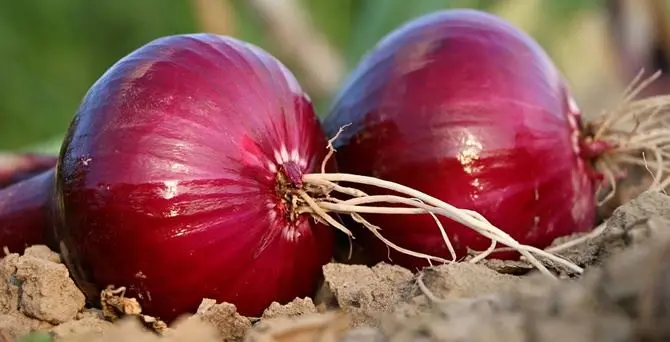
x: 26, y: 213
x: 167, y: 179
x: 465, y: 107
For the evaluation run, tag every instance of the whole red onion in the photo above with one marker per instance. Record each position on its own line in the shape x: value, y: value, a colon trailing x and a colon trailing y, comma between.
x: 465, y: 107
x: 175, y: 177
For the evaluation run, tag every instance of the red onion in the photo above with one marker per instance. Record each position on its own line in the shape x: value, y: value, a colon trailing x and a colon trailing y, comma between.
x: 25, y: 199
x: 15, y: 167
x: 463, y: 106
x: 176, y: 176
x: 25, y: 212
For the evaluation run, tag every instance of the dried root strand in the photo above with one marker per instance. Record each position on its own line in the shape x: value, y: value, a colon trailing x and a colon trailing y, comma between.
x: 426, y: 291
x: 598, y: 231
x: 419, y: 203
x: 323, y: 214
x: 331, y: 148
x: 639, y: 131
x: 375, y: 231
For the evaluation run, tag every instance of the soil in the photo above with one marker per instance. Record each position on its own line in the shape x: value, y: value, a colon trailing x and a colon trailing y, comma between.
x: 623, y: 295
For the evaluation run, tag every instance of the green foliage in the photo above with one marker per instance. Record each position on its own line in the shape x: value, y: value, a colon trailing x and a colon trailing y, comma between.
x: 54, y: 50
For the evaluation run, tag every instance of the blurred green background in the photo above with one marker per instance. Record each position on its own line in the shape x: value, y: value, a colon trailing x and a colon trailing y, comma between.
x: 52, y: 51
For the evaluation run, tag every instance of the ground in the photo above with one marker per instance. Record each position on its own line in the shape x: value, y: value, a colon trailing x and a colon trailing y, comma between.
x: 623, y: 295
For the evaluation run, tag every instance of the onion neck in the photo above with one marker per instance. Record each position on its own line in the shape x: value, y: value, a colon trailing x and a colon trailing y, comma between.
x: 591, y: 149
x: 291, y: 174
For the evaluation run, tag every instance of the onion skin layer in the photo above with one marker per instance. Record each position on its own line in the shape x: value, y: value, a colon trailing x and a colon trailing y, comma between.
x: 463, y: 106
x: 167, y: 182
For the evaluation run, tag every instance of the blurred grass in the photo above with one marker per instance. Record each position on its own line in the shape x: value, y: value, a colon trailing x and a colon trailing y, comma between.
x: 52, y: 51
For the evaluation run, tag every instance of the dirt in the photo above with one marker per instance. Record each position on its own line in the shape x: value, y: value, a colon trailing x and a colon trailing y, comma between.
x: 623, y: 295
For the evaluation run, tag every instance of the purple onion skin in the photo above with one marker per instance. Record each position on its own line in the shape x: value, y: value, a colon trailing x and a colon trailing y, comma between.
x: 26, y: 213
x: 16, y: 167
x: 26, y: 187
x: 463, y: 106
x: 167, y: 182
